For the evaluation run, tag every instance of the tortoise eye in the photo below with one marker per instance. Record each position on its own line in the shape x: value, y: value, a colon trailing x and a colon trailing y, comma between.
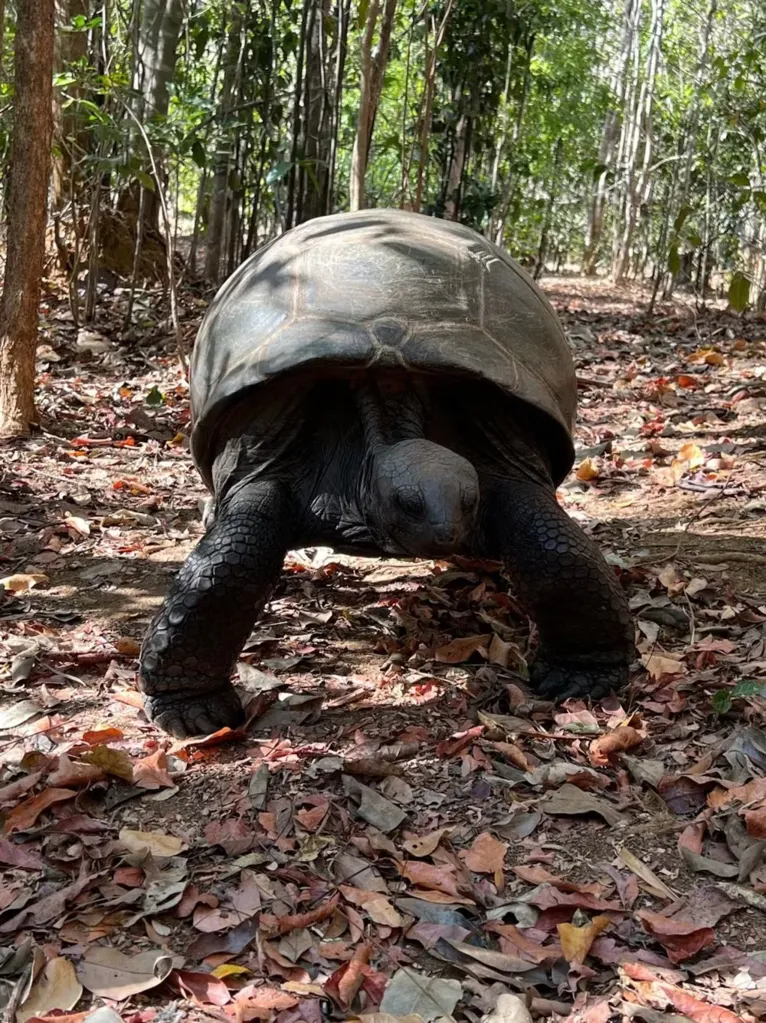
x: 410, y: 501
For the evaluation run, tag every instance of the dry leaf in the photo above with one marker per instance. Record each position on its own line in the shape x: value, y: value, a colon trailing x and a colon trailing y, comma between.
x: 155, y: 842
x: 424, y: 845
x: 25, y: 814
x: 616, y: 741
x: 576, y: 941
x: 412, y: 993
x: 654, y: 884
x: 109, y: 973
x: 486, y: 856
x: 23, y: 581
x: 461, y: 649
x: 680, y: 938
x: 113, y: 761
x: 56, y: 987
x: 587, y: 470
x: 376, y: 906
x: 659, y: 666
x: 69, y: 772
x: 152, y: 772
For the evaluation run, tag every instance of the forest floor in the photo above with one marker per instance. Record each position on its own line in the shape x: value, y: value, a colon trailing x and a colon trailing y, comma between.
x: 402, y: 829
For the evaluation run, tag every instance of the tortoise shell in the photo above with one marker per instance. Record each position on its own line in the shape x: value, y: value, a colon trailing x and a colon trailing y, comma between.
x: 383, y: 288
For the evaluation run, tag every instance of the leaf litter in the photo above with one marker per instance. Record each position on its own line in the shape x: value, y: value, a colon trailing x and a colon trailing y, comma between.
x: 402, y: 831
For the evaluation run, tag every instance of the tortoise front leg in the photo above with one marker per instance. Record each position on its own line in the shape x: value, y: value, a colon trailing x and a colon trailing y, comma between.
x: 193, y: 643
x: 585, y: 627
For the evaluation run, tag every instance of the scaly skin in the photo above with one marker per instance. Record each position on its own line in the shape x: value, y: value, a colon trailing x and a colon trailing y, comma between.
x: 585, y: 627
x: 193, y: 643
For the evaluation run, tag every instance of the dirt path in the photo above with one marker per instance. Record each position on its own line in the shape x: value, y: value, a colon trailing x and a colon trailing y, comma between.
x: 400, y: 805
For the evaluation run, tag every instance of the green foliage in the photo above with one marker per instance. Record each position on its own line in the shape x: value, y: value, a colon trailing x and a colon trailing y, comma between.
x: 723, y: 700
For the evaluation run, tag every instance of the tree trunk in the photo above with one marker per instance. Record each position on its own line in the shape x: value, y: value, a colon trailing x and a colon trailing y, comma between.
x: 222, y: 160
x: 30, y: 163
x: 379, y: 64
x: 618, y: 87
x: 507, y: 199
x: 359, y: 154
x: 318, y: 109
x: 429, y: 89
x: 70, y: 47
x: 341, y: 50
x: 641, y: 131
x: 292, y: 181
x: 458, y: 159
x: 158, y: 37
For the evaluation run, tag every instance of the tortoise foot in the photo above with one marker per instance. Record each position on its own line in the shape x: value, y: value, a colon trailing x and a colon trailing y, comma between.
x: 196, y: 714
x: 560, y: 680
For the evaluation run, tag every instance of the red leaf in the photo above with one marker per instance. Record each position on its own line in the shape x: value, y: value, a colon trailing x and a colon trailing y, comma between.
x: 26, y: 813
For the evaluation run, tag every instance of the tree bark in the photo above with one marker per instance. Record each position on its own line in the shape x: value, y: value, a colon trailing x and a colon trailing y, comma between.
x: 27, y: 214
x: 359, y: 154
x: 612, y: 120
x: 341, y: 50
x: 318, y: 132
x: 638, y: 159
x: 292, y: 181
x: 424, y: 133
x: 69, y: 48
x: 223, y: 153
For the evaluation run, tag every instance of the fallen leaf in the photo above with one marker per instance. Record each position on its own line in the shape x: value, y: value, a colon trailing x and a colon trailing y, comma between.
x: 508, y: 1009
x: 109, y: 973
x: 654, y: 884
x: 660, y: 666
x: 56, y: 987
x: 440, y: 878
x: 486, y: 856
x: 570, y: 800
x: 373, y: 808
x: 233, y: 835
x: 616, y: 741
x: 576, y: 941
x: 587, y: 470
x: 70, y: 772
x: 343, y: 985
x: 113, y: 761
x: 681, y: 939
x: 25, y: 814
x: 424, y: 845
x: 412, y: 993
x: 20, y: 856
x: 127, y: 646
x: 275, y: 925
x: 204, y: 987
x: 376, y: 905
x: 23, y: 581
x: 461, y: 649
x: 152, y: 772
x: 155, y: 842
x: 17, y: 713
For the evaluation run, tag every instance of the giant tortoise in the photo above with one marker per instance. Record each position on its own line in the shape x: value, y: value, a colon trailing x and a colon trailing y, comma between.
x: 382, y: 383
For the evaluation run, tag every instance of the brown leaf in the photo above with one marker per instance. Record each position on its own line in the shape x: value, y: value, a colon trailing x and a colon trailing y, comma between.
x: 113, y: 761
x: 571, y: 800
x: 587, y: 470
x: 424, y: 845
x: 576, y: 941
x: 376, y: 906
x: 233, y: 835
x: 616, y: 741
x: 517, y: 942
x: 20, y: 856
x: 203, y: 987
x: 69, y: 772
x: 343, y: 985
x: 755, y: 821
x: 23, y: 581
x: 109, y: 973
x: 152, y: 772
x: 25, y: 814
x: 680, y: 938
x: 102, y: 736
x: 461, y: 649
x: 156, y: 842
x: 440, y: 878
x: 272, y: 926
x: 486, y: 856
x: 659, y: 992
x: 56, y: 987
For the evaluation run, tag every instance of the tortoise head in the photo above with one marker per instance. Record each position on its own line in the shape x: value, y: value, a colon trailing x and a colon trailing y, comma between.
x: 421, y: 498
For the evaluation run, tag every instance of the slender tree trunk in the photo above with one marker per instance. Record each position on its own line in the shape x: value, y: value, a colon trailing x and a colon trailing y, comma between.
x: 359, y: 154
x: 318, y: 131
x: 30, y: 163
x: 507, y: 198
x: 69, y: 48
x: 292, y: 181
x: 641, y: 131
x: 458, y: 159
x: 694, y: 114
x: 379, y: 64
x: 222, y: 163
x: 428, y: 101
x: 341, y: 51
x: 548, y: 218
x: 612, y: 120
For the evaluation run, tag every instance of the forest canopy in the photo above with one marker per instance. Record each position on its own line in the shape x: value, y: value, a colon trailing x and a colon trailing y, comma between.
x: 618, y: 136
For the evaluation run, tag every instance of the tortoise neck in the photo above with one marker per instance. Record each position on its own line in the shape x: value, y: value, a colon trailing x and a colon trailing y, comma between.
x: 390, y: 410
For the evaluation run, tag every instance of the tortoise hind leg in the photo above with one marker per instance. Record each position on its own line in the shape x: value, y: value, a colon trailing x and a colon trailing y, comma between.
x: 585, y: 627
x: 193, y: 643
